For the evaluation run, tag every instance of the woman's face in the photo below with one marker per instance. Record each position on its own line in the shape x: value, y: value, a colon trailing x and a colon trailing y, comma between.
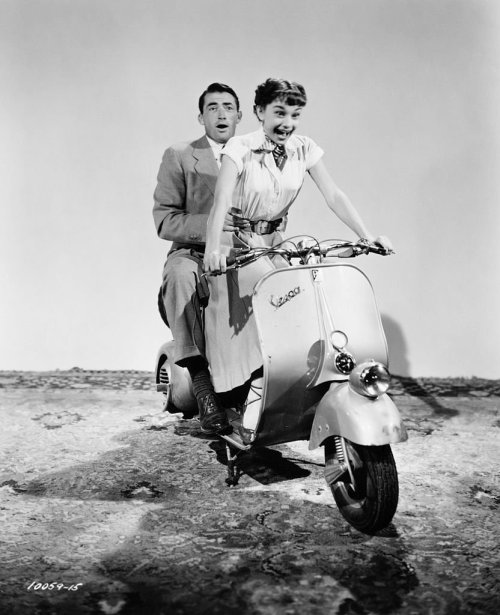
x: 279, y: 120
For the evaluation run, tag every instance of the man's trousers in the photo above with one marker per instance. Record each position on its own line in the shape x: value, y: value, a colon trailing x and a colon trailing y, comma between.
x: 183, y: 292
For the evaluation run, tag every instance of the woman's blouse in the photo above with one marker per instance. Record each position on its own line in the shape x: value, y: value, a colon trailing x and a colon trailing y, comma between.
x: 263, y: 192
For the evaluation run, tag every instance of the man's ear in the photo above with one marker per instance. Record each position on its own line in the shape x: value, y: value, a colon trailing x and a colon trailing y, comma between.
x: 258, y: 112
x: 201, y: 119
x: 240, y: 115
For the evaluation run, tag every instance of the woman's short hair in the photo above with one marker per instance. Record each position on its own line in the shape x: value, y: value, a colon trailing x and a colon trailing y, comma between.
x: 220, y: 88
x: 289, y: 92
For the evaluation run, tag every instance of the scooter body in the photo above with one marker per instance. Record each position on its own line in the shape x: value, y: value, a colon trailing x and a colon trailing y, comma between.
x: 320, y: 334
x: 297, y: 310
x: 303, y: 394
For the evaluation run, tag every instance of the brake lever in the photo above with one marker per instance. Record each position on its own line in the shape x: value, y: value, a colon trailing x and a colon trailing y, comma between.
x: 352, y: 251
x: 348, y: 253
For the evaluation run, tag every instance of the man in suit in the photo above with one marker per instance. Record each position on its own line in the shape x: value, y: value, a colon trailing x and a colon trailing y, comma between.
x: 182, y: 201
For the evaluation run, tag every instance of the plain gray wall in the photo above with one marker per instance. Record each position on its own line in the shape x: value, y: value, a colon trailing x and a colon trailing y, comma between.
x: 403, y: 97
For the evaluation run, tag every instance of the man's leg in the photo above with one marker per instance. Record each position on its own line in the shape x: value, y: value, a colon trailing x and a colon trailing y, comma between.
x: 181, y: 276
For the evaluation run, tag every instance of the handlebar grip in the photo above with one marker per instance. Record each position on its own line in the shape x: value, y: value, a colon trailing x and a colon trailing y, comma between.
x: 378, y: 249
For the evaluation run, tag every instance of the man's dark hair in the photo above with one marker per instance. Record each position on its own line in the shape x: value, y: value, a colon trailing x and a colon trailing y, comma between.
x: 217, y: 87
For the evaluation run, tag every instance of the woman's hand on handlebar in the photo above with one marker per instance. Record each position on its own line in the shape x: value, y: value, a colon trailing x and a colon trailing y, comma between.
x: 214, y: 262
x: 385, y: 243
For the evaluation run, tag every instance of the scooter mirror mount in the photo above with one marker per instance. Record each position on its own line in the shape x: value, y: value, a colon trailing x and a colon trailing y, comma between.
x: 339, y: 340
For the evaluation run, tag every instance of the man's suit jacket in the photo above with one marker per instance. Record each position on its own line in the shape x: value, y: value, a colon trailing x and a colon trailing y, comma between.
x: 184, y: 194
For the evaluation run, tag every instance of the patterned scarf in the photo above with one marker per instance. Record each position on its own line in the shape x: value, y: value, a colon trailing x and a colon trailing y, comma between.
x: 280, y: 156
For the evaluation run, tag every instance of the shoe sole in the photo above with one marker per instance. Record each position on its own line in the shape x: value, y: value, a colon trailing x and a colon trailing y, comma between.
x: 224, y: 431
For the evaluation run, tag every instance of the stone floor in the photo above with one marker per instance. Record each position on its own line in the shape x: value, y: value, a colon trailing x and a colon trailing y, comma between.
x: 110, y: 506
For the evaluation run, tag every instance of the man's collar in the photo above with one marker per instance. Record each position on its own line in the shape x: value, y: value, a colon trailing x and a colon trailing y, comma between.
x: 214, y: 144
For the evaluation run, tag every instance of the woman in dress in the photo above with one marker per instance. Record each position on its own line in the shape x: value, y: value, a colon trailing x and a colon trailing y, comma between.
x: 261, y: 175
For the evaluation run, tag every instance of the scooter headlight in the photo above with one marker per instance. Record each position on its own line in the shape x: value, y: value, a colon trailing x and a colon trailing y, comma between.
x: 370, y: 379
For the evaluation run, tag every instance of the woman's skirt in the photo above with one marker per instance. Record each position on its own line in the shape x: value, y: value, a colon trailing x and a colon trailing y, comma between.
x: 232, y: 341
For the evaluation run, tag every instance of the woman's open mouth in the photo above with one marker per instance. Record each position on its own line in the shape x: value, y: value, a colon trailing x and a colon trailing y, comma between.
x: 282, y: 133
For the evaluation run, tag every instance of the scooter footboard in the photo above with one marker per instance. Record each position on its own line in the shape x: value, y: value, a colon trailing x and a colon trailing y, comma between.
x: 370, y: 422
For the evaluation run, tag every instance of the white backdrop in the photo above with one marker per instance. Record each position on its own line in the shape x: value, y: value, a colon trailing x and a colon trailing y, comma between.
x: 403, y: 97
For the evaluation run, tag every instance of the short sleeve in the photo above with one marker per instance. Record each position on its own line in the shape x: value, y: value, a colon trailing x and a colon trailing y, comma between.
x: 313, y: 153
x: 235, y: 150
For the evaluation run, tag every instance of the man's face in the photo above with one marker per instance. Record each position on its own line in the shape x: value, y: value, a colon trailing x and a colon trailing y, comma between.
x: 219, y: 116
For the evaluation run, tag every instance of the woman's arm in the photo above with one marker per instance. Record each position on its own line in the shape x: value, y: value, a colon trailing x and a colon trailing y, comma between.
x: 340, y: 204
x: 224, y: 188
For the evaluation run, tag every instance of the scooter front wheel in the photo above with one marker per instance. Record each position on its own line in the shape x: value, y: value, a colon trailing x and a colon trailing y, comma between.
x: 367, y: 492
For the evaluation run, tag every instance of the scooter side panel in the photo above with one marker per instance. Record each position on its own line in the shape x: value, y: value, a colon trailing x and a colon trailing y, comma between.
x: 181, y: 393
x: 294, y: 334
x: 370, y: 422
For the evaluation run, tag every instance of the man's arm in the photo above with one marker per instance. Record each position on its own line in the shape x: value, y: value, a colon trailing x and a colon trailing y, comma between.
x: 171, y: 218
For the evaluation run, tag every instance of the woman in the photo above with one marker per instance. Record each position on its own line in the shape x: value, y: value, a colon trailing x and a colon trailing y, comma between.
x: 261, y: 175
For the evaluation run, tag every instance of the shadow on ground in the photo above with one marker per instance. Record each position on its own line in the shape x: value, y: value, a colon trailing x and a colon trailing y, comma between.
x: 147, y: 524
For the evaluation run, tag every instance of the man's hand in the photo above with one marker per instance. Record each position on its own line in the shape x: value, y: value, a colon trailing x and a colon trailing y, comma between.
x: 234, y: 221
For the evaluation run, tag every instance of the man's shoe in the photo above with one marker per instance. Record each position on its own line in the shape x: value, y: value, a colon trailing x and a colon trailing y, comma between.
x: 213, y: 418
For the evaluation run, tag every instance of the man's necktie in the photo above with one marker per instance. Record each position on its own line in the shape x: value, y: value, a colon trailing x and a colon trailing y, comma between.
x: 280, y: 156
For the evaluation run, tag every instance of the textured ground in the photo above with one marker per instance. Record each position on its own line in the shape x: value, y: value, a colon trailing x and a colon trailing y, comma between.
x: 99, y: 488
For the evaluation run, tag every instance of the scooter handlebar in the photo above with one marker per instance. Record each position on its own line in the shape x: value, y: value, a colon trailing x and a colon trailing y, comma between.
x: 298, y: 248
x: 231, y: 260
x: 358, y: 248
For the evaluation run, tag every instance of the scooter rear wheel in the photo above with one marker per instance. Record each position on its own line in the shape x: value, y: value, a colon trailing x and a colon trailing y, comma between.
x: 368, y: 504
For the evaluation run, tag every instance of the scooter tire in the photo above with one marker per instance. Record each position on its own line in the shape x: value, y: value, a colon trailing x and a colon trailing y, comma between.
x: 369, y: 506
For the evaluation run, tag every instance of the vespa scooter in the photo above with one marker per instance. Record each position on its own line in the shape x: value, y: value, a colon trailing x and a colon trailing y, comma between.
x: 325, y: 377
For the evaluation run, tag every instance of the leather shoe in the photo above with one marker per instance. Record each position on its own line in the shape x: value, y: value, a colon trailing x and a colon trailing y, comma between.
x: 213, y: 418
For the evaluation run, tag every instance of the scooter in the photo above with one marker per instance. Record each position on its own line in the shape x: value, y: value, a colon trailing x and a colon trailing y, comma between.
x: 325, y: 377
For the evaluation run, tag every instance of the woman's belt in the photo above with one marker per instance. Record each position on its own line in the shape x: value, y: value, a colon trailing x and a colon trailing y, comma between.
x: 264, y: 227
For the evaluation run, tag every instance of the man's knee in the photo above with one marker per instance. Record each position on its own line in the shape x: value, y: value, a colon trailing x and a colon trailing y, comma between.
x: 181, y: 274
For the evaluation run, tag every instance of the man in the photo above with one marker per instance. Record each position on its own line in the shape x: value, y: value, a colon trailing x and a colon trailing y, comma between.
x: 182, y: 201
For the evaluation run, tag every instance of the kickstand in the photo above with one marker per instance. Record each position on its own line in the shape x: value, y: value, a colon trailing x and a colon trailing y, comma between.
x: 233, y: 472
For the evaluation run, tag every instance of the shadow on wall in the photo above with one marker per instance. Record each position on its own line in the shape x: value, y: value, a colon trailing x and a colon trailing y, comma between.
x: 399, y: 363
x: 399, y: 366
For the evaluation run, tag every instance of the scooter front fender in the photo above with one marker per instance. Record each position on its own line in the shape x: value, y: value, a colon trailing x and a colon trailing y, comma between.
x: 370, y: 422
